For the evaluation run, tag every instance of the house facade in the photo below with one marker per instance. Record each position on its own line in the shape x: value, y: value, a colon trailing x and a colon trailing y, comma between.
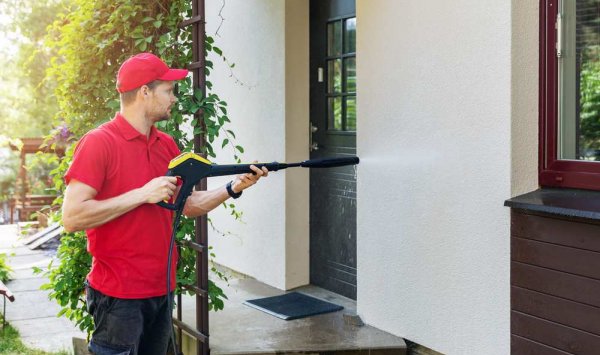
x: 441, y: 102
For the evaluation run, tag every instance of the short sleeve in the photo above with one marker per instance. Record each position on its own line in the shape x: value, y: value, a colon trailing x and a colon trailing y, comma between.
x: 90, y: 161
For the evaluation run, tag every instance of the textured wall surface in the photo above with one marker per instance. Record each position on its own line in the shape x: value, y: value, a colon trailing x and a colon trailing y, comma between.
x: 267, y: 93
x: 253, y: 37
x: 525, y: 76
x: 434, y: 138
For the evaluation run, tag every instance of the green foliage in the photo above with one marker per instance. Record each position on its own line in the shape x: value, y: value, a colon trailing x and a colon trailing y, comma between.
x: 5, y: 269
x: 91, y: 40
x: 11, y: 344
x: 66, y: 280
x: 8, y: 172
x: 590, y: 104
x: 38, y: 168
x: 27, y: 106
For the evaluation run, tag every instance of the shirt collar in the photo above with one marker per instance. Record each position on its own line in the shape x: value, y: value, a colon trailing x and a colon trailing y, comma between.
x: 129, y: 132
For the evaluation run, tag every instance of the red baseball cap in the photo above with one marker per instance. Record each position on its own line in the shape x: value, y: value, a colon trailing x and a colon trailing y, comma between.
x: 144, y: 68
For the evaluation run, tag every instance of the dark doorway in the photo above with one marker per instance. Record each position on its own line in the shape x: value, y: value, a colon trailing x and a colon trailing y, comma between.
x: 333, y: 134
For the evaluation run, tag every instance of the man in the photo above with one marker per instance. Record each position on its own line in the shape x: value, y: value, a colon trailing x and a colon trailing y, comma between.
x: 114, y: 182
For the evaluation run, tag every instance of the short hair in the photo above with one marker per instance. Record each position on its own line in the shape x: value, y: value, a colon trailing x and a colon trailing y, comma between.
x: 129, y: 96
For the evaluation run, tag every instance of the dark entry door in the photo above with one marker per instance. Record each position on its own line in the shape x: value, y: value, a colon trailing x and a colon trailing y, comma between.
x: 333, y: 134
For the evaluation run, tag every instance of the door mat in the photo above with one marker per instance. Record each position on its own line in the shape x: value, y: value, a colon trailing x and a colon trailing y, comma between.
x: 293, y: 305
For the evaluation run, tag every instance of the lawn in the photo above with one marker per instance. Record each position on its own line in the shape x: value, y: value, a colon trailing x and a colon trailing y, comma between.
x: 10, y: 344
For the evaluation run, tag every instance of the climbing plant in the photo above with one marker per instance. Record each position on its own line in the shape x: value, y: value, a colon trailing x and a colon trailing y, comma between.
x: 92, y: 38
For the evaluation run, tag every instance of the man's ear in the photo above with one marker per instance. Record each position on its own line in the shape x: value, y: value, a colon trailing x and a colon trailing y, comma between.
x: 144, y: 89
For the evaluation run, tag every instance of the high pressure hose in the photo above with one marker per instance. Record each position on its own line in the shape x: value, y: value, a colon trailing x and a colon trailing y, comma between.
x: 192, y: 168
x: 169, y: 297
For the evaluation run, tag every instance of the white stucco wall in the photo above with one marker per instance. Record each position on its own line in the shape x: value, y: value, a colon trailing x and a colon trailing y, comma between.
x: 252, y: 36
x: 297, y: 189
x: 268, y: 104
x: 525, y: 82
x: 434, y: 138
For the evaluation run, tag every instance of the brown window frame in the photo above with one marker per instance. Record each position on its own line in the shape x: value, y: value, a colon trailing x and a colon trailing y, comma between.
x: 554, y: 172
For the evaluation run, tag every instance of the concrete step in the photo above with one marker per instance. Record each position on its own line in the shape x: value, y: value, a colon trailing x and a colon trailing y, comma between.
x: 240, y: 329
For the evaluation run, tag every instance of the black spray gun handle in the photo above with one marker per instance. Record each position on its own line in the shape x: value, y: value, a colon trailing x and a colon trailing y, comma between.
x: 194, y: 172
x: 192, y: 168
x: 180, y: 202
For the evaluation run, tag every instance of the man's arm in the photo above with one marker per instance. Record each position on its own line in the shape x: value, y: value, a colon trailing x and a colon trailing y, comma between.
x: 81, y: 211
x: 201, y: 202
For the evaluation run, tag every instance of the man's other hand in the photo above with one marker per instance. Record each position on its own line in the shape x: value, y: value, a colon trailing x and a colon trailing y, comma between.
x: 244, y: 181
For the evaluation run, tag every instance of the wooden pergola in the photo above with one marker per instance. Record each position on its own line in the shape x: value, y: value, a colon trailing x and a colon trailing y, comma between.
x: 22, y: 201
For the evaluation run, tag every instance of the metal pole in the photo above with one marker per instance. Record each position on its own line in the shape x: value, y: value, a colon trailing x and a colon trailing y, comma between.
x: 199, y: 53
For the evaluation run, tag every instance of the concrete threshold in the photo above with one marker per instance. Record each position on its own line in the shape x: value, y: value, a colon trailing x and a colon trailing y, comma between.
x: 240, y: 329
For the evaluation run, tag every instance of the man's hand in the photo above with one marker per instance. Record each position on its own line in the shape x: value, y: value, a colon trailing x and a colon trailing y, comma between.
x: 244, y: 181
x: 202, y: 202
x: 159, y: 189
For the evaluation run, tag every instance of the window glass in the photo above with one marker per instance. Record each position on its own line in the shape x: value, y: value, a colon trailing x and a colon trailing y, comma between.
x: 578, y: 51
x: 335, y: 113
x: 334, y: 38
x: 341, y: 75
x: 351, y: 113
x: 350, y: 68
x: 334, y: 75
x: 350, y: 35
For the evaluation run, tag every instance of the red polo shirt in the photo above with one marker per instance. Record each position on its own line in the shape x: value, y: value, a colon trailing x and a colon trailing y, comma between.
x: 130, y: 252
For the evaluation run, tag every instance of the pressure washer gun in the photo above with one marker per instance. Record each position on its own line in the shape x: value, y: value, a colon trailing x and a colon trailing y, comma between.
x: 192, y: 168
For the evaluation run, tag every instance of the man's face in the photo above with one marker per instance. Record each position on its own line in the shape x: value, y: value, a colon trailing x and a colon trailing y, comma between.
x: 161, y: 100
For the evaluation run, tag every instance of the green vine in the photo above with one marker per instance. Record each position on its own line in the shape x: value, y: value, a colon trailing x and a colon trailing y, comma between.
x: 5, y: 269
x: 92, y: 39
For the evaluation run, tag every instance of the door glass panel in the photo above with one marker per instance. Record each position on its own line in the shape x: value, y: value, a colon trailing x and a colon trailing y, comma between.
x: 351, y: 113
x: 335, y: 113
x: 350, y: 68
x: 334, y: 75
x: 334, y: 38
x: 350, y: 35
x: 579, y: 81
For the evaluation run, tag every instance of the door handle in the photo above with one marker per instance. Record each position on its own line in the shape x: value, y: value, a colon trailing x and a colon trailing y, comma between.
x: 312, y: 146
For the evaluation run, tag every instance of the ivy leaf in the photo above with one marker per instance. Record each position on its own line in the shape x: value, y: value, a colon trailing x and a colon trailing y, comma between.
x: 157, y: 24
x: 225, y: 142
x: 239, y: 148
x: 217, y: 50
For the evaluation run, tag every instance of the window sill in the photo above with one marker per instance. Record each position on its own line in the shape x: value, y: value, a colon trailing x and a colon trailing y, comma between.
x: 562, y: 202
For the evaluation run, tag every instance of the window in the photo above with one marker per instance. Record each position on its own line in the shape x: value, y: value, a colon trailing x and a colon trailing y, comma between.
x: 341, y: 75
x: 570, y: 93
